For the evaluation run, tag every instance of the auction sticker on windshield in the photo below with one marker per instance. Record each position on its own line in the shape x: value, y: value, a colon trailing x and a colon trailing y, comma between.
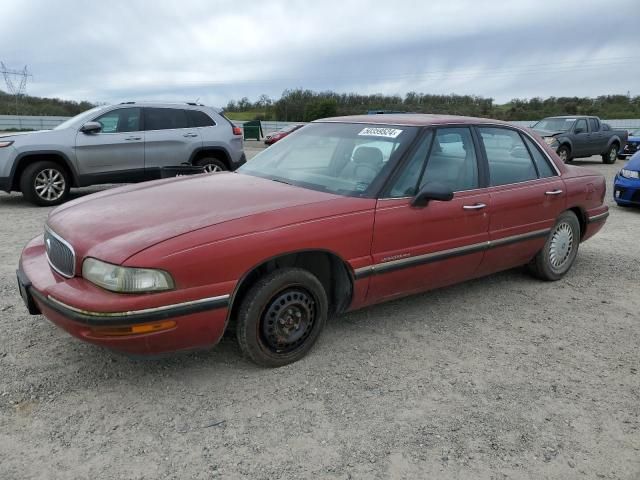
x: 380, y: 132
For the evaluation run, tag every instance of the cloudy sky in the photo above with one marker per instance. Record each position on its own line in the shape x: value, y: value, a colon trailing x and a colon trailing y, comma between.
x: 221, y: 50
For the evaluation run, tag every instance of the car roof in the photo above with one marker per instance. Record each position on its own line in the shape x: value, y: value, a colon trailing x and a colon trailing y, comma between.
x: 411, y: 119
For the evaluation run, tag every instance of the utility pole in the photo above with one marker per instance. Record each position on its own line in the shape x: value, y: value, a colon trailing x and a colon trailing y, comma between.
x: 16, y: 81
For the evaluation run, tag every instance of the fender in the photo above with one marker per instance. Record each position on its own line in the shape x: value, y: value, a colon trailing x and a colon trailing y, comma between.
x: 216, y: 149
x: 65, y: 158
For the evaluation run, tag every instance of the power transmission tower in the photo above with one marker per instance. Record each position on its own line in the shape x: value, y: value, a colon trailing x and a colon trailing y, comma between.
x: 16, y: 81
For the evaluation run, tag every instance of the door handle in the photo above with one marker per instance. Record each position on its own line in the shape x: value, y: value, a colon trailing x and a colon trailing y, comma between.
x: 477, y: 206
x: 553, y: 192
x: 190, y: 135
x: 133, y: 138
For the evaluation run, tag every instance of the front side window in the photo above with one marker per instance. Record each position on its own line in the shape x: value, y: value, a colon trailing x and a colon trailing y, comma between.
x: 339, y: 158
x: 594, y: 124
x: 451, y: 161
x: 164, y: 118
x: 581, y: 126
x: 120, y: 120
x: 508, y: 157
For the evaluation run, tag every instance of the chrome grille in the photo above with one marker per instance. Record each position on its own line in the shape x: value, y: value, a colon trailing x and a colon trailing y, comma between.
x: 60, y: 254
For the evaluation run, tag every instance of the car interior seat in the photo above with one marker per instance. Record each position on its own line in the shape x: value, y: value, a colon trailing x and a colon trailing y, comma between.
x: 365, y: 165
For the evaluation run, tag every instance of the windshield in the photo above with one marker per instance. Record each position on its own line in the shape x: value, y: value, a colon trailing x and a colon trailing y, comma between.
x: 635, y: 133
x: 81, y: 117
x: 555, y: 124
x: 340, y: 158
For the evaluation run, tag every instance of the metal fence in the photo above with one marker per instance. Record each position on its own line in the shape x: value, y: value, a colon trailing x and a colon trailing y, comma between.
x: 17, y: 122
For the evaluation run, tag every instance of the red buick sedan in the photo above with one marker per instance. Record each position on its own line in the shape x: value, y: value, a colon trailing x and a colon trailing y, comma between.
x: 346, y: 213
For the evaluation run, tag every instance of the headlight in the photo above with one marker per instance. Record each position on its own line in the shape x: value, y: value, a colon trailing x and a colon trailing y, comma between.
x: 550, y: 140
x: 125, y: 279
x: 6, y: 144
x: 629, y: 173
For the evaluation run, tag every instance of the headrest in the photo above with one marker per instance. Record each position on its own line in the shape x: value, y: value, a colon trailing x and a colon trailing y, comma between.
x: 369, y: 155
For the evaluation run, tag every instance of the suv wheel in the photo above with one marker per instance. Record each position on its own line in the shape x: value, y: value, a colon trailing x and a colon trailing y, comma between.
x: 212, y: 165
x: 45, y: 183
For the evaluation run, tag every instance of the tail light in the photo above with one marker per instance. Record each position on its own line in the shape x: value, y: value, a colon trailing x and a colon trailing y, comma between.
x: 237, y: 130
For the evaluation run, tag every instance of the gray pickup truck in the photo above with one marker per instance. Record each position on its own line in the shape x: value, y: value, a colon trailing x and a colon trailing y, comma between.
x: 579, y: 136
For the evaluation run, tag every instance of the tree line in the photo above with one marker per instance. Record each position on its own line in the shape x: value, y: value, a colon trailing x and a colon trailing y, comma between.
x: 298, y: 105
x: 28, y: 105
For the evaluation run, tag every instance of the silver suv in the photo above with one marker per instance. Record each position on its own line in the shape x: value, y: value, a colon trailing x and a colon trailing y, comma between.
x: 129, y: 142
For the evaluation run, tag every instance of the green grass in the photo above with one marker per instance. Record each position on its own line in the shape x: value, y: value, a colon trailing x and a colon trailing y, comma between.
x: 243, y: 116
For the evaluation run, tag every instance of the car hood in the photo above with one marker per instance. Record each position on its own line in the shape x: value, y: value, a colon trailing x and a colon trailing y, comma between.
x: 633, y: 138
x: 633, y: 163
x: 20, y: 134
x: 547, y: 133
x: 118, y: 223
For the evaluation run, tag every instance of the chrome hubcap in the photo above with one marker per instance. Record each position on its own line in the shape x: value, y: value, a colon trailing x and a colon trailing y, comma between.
x: 49, y: 184
x: 561, y: 245
x: 210, y: 168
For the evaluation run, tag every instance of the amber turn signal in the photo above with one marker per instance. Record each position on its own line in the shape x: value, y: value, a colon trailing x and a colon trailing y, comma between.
x: 133, y: 329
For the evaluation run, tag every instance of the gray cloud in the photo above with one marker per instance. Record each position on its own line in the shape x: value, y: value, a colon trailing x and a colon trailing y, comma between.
x: 221, y: 50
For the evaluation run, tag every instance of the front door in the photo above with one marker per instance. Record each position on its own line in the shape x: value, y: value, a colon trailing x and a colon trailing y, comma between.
x: 527, y: 196
x: 581, y: 138
x: 116, y: 153
x: 420, y: 248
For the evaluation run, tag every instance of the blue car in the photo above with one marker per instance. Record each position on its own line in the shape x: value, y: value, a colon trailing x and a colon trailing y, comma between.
x: 632, y: 145
x: 626, y: 186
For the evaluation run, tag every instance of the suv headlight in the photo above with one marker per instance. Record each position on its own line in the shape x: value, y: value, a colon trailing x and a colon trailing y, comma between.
x: 629, y: 173
x: 125, y: 279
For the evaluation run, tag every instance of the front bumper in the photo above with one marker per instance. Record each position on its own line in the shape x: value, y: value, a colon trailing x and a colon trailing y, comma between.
x: 198, y: 322
x: 626, y: 191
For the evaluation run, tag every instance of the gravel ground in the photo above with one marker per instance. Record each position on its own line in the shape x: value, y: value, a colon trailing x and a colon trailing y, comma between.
x: 503, y: 377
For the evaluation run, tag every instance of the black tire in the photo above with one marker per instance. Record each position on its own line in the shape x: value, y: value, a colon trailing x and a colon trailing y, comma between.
x: 271, y: 336
x: 611, y: 155
x: 45, y: 183
x: 211, y: 164
x: 559, y: 251
x: 564, y: 153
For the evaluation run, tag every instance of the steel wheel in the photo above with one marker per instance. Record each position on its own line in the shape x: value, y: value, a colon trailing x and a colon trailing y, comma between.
x: 561, y: 245
x: 288, y: 320
x: 563, y: 153
x: 50, y: 185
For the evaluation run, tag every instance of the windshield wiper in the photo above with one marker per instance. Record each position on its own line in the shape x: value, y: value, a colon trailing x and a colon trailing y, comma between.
x: 280, y: 181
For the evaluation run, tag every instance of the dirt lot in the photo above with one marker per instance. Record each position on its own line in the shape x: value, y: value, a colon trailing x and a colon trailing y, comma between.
x: 503, y: 377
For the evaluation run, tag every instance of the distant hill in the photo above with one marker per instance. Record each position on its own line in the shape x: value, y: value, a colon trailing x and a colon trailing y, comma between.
x: 41, y: 106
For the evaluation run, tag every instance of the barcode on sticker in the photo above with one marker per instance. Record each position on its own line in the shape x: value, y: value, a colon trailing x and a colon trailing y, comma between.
x: 380, y: 132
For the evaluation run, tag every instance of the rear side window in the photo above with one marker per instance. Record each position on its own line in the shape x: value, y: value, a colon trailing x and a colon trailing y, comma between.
x: 164, y: 118
x: 508, y: 157
x: 544, y: 169
x: 197, y: 118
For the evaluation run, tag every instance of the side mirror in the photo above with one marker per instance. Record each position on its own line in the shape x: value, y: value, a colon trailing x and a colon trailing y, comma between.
x: 578, y: 130
x: 432, y: 191
x: 91, y: 127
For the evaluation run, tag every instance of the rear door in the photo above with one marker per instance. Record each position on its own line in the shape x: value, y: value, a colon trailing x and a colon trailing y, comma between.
x: 598, y: 137
x: 526, y: 196
x: 419, y: 248
x: 116, y: 153
x: 169, y: 139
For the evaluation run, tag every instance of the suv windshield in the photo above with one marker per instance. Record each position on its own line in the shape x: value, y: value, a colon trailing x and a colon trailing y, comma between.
x: 81, y: 117
x: 339, y: 158
x: 555, y: 124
